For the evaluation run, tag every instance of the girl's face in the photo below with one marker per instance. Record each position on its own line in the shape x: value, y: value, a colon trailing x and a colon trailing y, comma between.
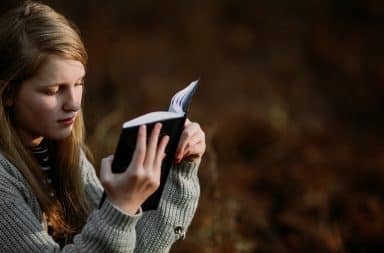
x: 47, y: 104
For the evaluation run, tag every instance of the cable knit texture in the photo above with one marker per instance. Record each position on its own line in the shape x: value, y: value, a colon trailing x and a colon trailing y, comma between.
x: 23, y: 226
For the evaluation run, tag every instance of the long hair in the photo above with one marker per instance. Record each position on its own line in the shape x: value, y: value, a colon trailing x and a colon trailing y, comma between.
x: 28, y: 34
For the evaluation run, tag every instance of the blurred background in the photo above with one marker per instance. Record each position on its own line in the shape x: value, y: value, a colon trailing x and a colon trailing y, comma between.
x: 291, y: 99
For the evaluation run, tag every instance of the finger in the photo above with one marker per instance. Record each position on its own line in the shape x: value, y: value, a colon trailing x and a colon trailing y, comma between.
x: 141, y: 146
x: 196, y: 138
x: 161, y: 152
x: 190, y: 136
x: 196, y: 150
x: 106, y: 174
x: 180, y: 149
x: 152, y: 145
x: 188, y: 132
x: 187, y: 122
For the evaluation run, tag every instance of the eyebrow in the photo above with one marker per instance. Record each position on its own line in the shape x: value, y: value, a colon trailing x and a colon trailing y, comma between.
x: 82, y: 78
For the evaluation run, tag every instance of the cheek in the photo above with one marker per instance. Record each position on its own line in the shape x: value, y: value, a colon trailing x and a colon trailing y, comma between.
x: 79, y: 94
x: 40, y: 109
x: 46, y: 107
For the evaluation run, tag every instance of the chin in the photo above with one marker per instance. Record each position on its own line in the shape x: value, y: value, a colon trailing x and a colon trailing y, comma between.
x: 61, y: 135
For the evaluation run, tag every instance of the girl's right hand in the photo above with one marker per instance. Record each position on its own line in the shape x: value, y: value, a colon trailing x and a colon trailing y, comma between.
x: 128, y: 190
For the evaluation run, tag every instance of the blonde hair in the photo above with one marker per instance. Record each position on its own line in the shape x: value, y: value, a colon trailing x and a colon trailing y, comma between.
x: 28, y: 34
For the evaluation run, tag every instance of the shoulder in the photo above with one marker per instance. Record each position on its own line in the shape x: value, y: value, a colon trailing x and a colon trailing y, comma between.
x: 12, y: 182
x: 7, y: 169
x: 92, y: 186
x: 88, y: 172
x: 86, y: 166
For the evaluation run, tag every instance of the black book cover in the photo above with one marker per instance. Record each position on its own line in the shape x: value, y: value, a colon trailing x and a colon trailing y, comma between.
x: 126, y: 146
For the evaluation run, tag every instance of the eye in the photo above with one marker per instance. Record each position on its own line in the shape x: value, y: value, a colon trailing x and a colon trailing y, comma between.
x: 80, y: 83
x: 52, y: 90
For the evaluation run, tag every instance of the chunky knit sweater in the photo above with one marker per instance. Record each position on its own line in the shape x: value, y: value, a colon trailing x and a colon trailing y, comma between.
x: 23, y: 227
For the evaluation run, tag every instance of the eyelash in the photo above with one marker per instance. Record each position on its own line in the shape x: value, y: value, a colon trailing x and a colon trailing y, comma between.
x: 52, y: 93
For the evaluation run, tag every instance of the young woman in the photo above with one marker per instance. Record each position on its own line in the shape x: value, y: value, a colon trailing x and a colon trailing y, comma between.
x: 49, y: 191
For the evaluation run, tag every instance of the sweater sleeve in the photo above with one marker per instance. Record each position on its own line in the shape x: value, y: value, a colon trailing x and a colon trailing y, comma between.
x: 157, y: 230
x: 21, y: 230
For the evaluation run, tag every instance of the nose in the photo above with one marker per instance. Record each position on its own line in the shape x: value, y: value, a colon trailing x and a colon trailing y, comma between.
x: 72, y: 100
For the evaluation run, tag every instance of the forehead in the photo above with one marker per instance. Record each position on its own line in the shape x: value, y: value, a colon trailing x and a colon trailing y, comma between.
x: 57, y: 69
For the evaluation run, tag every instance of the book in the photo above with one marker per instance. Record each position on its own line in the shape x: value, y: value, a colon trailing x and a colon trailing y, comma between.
x: 172, y: 121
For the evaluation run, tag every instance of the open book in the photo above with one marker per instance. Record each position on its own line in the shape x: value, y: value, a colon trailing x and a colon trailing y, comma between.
x: 172, y: 125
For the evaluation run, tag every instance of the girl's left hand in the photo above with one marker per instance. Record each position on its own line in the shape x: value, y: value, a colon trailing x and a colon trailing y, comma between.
x: 192, y: 143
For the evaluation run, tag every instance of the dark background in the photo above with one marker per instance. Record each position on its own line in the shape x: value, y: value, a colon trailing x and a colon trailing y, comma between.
x: 291, y: 99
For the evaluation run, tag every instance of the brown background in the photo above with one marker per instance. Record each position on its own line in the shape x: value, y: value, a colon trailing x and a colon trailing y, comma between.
x: 291, y: 99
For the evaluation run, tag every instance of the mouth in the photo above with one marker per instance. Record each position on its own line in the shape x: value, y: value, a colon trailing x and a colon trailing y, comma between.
x: 67, y: 121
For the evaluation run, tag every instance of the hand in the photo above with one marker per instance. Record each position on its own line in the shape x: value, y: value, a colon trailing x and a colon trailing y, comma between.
x: 192, y: 142
x: 128, y: 190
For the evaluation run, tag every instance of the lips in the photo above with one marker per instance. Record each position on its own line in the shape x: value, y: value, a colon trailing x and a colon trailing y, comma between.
x: 67, y: 121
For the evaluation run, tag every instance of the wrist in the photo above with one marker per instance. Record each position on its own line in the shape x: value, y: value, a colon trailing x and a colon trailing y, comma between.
x: 127, y: 208
x: 138, y: 212
x: 115, y: 217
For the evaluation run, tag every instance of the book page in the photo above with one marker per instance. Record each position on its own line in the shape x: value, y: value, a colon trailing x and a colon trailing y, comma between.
x: 181, y: 100
x: 152, y: 117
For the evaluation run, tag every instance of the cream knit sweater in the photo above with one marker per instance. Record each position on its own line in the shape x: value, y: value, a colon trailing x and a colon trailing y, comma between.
x: 23, y: 227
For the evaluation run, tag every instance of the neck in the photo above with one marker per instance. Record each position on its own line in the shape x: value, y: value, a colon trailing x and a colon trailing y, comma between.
x: 30, y: 141
x: 36, y: 142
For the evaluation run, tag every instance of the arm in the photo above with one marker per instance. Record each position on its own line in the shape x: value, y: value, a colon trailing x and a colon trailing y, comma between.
x: 177, y: 207
x: 180, y: 197
x: 21, y: 230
